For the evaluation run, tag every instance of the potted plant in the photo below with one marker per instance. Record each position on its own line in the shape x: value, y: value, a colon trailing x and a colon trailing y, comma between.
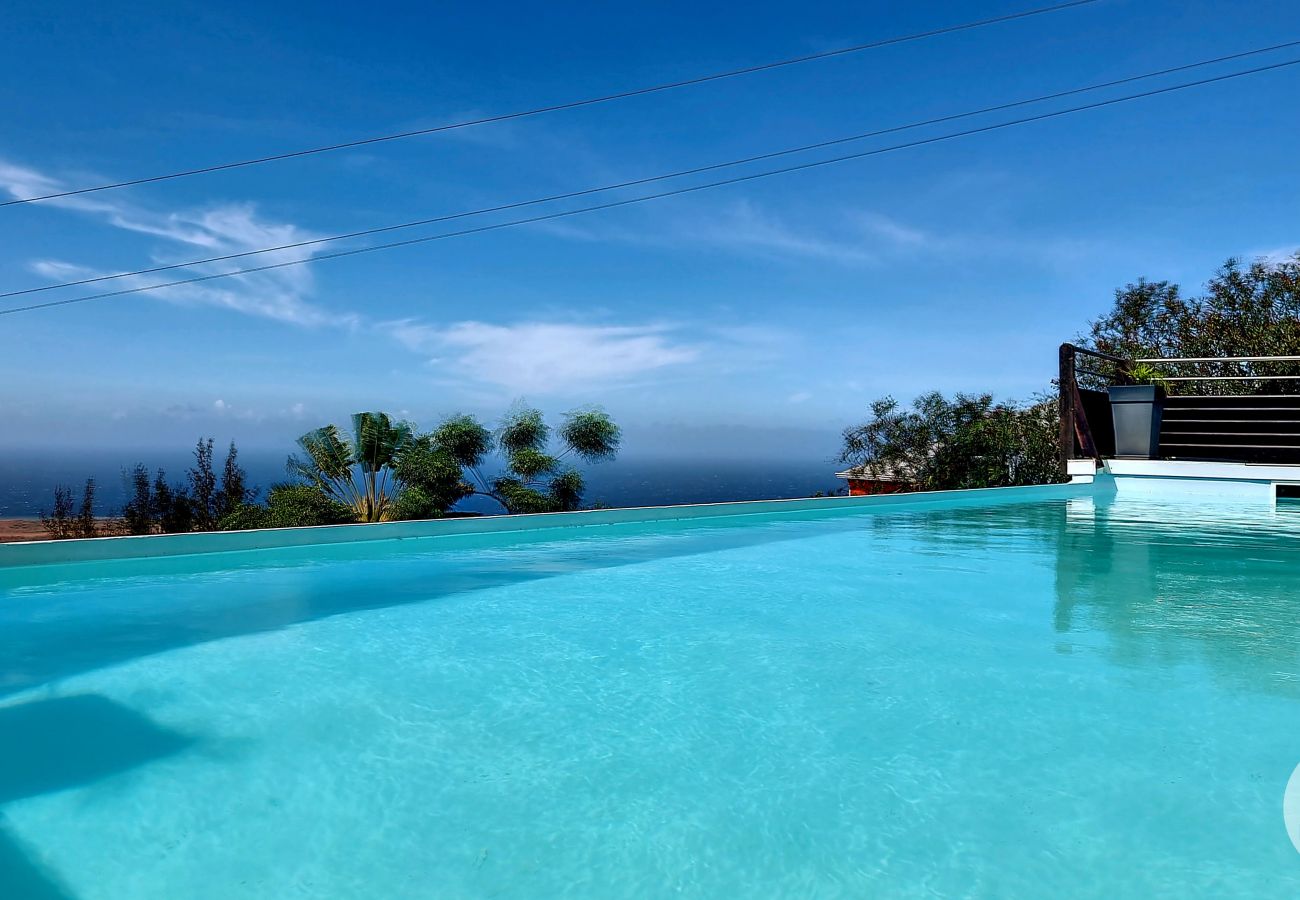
x: 1136, y: 409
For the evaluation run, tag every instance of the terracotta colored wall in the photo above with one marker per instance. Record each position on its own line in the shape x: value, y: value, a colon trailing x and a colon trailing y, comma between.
x: 862, y: 487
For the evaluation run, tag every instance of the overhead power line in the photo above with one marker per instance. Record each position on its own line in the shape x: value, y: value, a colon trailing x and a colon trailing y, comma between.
x: 570, y: 195
x: 559, y: 107
x: 657, y: 196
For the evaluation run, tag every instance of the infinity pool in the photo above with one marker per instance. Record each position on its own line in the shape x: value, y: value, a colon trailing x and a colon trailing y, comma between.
x: 1073, y: 698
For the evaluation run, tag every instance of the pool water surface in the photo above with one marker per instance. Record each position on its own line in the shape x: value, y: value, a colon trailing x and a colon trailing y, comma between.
x: 1073, y: 698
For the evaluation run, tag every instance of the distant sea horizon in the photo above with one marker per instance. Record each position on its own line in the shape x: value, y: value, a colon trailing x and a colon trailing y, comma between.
x: 28, y: 479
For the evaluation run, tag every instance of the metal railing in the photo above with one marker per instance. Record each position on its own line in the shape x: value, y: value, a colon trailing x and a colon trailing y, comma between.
x: 1207, y: 423
x: 1075, y: 429
x: 1200, y: 360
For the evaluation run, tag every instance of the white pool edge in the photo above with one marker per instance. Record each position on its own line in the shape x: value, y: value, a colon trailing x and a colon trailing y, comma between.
x: 33, y: 553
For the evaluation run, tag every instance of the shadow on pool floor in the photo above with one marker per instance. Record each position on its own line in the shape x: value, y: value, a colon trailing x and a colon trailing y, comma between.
x: 23, y: 879
x: 66, y: 742
x: 58, y: 743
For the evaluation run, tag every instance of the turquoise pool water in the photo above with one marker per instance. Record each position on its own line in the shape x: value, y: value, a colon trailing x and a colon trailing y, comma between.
x: 1080, y: 698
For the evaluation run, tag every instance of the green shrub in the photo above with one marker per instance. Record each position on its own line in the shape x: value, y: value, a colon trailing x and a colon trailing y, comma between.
x: 289, y: 506
x: 244, y: 517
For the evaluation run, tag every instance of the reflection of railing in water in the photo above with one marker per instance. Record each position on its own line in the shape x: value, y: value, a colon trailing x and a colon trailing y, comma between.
x: 1184, y: 581
x: 1236, y: 408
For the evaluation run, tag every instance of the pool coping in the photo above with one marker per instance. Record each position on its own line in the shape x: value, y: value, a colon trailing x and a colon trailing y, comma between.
x: 34, y: 553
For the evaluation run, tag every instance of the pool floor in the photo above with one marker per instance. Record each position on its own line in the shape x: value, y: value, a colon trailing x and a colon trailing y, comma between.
x: 1058, y: 699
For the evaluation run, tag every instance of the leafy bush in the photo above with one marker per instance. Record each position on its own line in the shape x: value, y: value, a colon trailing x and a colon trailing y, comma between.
x: 966, y: 442
x: 289, y: 506
x: 386, y: 471
x: 537, y: 481
x: 244, y: 517
x: 354, y: 469
x: 59, y: 522
x: 430, y: 477
x: 85, y: 526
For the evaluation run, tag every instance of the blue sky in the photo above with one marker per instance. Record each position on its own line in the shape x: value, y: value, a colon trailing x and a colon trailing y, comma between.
x: 749, y: 319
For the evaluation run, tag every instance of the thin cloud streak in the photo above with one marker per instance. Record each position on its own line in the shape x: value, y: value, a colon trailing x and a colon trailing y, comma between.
x: 546, y: 357
x: 230, y: 228
x: 531, y: 356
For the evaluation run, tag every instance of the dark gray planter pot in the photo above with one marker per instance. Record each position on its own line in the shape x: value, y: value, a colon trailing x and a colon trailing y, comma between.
x: 1137, y: 409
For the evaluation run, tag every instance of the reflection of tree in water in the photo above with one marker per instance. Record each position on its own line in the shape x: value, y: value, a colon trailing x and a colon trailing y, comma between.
x: 1009, y: 527
x: 1214, y: 586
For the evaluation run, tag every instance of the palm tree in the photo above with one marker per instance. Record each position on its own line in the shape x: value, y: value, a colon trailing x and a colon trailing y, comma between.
x: 357, y: 470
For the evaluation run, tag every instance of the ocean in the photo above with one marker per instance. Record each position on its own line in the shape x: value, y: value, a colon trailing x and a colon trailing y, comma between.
x: 28, y: 479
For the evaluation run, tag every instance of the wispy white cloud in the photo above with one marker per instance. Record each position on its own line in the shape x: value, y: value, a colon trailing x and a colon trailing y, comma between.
x: 897, y: 241
x: 280, y: 294
x: 895, y: 233
x: 547, y: 357
x: 532, y: 355
x: 1276, y: 255
x: 742, y: 228
x: 747, y: 228
x: 850, y: 237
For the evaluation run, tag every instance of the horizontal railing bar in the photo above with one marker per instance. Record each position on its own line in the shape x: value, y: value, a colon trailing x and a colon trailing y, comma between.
x: 1232, y: 378
x: 1205, y: 359
x: 1232, y: 446
x: 1208, y: 398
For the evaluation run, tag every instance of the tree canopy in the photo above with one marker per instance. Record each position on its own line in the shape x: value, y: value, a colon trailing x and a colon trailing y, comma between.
x: 966, y: 442
x: 385, y: 470
x: 1246, y: 310
x: 971, y: 441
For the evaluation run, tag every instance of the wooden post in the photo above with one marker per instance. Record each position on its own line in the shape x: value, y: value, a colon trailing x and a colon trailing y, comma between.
x: 1069, y: 392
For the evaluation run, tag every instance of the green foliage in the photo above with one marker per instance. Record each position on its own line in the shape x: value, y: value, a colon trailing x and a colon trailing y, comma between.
x: 234, y: 491
x: 1145, y: 373
x: 966, y: 442
x: 465, y: 438
x: 203, y: 487
x: 329, y: 460
x: 387, y: 471
x: 171, y: 507
x: 138, y: 514
x: 592, y: 434
x: 59, y: 521
x: 429, y: 477
x: 377, y: 440
x: 201, y: 503
x: 157, y: 506
x: 298, y: 505
x: 211, y: 499
x: 355, y: 471
x: 244, y: 517
x: 518, y: 497
x: 1247, y: 310
x: 531, y: 464
x: 566, y: 491
x: 537, y: 481
x: 522, y: 428
x: 289, y: 506
x: 415, y: 502
x: 85, y: 526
